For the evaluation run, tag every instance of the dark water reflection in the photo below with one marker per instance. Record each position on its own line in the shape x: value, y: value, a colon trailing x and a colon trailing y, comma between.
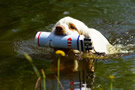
x: 20, y: 20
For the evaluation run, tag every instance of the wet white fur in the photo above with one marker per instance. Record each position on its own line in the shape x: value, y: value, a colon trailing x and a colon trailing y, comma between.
x: 100, y: 43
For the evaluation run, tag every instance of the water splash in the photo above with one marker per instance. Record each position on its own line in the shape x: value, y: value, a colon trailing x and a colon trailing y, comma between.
x: 130, y: 48
x: 120, y: 50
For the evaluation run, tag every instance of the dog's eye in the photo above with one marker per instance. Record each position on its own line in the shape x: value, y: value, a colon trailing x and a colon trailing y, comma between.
x: 72, y: 26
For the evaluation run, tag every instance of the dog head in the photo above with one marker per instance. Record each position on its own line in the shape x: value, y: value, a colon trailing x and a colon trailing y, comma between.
x: 68, y: 25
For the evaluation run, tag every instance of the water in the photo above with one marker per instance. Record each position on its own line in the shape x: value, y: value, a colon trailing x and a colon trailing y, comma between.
x: 20, y: 20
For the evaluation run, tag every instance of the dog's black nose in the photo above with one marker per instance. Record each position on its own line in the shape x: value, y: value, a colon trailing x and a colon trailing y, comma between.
x: 59, y: 28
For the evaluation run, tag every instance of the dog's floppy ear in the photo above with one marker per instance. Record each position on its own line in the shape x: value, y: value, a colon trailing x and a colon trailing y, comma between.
x: 84, y: 30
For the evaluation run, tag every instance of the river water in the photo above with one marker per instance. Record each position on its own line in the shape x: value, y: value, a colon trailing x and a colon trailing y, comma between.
x: 20, y: 20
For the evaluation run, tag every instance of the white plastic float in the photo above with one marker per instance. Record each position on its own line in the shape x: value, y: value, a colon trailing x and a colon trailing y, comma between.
x: 77, y: 42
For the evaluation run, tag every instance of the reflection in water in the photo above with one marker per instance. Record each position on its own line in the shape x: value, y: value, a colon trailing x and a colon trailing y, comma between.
x: 71, y: 65
x: 74, y: 74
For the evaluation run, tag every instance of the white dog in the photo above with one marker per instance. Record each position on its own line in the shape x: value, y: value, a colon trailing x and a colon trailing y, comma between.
x: 68, y: 25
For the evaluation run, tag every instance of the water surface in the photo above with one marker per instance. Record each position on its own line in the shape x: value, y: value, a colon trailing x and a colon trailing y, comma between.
x: 20, y: 20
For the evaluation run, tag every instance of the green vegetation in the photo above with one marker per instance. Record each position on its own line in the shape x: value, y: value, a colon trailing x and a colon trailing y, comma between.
x: 37, y: 72
x: 59, y: 53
